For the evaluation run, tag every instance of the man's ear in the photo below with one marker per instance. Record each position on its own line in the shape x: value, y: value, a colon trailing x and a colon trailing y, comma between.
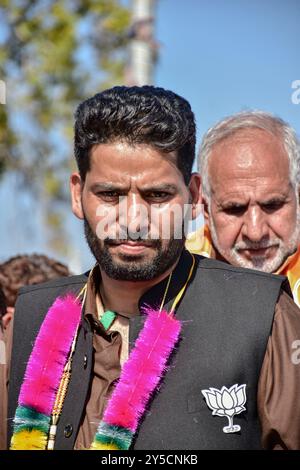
x: 195, y: 188
x: 76, y: 195
x: 205, y: 209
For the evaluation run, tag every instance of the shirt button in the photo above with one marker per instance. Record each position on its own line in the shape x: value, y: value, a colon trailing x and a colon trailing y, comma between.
x: 68, y: 431
x: 85, y: 361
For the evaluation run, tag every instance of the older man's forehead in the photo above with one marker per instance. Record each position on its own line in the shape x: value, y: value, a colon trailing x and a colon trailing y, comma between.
x: 249, y: 134
x: 249, y: 155
x: 255, y: 188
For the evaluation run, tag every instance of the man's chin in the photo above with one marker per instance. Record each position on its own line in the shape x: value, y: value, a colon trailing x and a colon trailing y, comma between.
x: 127, y: 265
x: 130, y: 270
x: 260, y: 263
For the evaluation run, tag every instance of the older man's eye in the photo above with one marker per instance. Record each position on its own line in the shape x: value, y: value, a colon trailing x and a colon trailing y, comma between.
x: 234, y: 210
x: 272, y: 206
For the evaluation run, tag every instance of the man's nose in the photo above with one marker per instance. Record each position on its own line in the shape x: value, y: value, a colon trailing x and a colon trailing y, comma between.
x: 137, y: 216
x: 255, y: 226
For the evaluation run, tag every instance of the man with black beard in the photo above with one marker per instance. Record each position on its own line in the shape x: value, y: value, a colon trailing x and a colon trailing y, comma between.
x: 166, y: 346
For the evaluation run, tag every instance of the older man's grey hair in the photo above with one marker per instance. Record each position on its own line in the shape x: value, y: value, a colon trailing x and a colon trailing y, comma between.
x: 245, y: 120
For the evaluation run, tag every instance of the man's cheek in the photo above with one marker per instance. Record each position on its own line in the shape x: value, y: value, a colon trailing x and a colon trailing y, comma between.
x: 106, y: 224
x: 284, y: 227
x: 227, y: 238
x: 160, y: 223
x: 155, y: 231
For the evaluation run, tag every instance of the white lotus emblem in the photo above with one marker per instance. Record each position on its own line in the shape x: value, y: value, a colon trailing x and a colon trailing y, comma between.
x: 227, y: 402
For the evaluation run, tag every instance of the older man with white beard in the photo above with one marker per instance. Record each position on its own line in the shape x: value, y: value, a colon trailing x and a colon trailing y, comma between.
x: 249, y: 164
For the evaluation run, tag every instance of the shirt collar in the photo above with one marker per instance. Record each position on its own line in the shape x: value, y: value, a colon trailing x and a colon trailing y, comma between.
x: 153, y: 297
x: 92, y: 290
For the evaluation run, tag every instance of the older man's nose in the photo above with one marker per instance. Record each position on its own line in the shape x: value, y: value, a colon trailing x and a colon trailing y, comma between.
x: 255, y: 226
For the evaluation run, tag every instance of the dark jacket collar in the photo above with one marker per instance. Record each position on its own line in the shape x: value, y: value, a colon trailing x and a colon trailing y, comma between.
x: 153, y: 297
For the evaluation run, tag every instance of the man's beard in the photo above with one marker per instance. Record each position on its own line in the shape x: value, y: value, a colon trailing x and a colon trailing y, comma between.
x: 133, y: 267
x: 259, y: 263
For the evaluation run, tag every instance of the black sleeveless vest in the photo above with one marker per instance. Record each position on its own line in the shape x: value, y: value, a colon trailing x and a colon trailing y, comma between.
x: 226, y: 315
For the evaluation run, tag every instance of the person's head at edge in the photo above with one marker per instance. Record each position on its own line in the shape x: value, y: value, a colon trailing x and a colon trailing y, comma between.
x: 2, y: 306
x: 136, y: 143
x: 26, y: 270
x: 249, y: 165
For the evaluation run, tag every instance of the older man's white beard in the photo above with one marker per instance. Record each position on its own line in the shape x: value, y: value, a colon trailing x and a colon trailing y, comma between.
x: 258, y: 262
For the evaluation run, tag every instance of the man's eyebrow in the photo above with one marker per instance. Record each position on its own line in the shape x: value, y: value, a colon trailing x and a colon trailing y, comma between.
x: 270, y: 199
x: 106, y: 186
x: 229, y: 204
x: 109, y: 186
x: 160, y: 187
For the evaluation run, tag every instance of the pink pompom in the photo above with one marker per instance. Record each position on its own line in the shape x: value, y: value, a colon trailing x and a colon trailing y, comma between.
x: 48, y: 358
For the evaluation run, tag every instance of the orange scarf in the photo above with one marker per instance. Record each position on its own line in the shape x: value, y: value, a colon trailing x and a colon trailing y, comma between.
x: 200, y: 243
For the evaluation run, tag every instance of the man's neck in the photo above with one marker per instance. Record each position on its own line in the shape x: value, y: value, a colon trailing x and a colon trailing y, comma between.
x: 124, y: 296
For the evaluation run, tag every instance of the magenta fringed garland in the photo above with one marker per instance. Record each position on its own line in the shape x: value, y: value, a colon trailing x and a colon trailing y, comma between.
x: 43, y: 374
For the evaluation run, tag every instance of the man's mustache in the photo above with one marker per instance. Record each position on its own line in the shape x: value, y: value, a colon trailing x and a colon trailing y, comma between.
x: 118, y: 241
x: 262, y: 244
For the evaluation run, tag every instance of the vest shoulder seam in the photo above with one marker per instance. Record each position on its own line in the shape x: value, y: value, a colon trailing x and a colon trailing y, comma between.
x: 233, y: 269
x: 55, y: 285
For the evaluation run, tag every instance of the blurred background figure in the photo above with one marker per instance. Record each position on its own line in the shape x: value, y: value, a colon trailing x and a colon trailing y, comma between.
x: 2, y: 313
x: 3, y: 371
x: 16, y: 272
x: 24, y: 270
x: 2, y: 306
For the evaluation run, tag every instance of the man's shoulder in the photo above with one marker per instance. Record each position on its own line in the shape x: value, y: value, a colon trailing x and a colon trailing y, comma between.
x: 213, y: 264
x: 34, y: 301
x: 42, y: 295
x: 235, y: 282
x: 54, y: 284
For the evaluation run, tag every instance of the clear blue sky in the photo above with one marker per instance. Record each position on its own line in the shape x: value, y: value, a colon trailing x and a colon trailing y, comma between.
x: 228, y: 55
x: 223, y: 56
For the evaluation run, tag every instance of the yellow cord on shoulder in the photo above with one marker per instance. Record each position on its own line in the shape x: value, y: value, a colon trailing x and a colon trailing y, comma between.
x: 166, y: 290
x: 82, y: 292
x: 181, y: 292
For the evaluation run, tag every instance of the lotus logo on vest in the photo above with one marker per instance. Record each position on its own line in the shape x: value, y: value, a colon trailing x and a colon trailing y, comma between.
x: 227, y: 402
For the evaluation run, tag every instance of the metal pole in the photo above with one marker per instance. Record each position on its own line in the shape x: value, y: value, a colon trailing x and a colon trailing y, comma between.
x: 143, y: 48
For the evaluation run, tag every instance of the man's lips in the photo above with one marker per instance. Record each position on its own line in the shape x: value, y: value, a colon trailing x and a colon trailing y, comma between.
x: 130, y: 242
x: 257, y: 251
x: 130, y: 246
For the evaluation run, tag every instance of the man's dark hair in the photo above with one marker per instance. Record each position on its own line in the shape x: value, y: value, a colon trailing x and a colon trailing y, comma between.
x: 25, y: 270
x: 136, y: 115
